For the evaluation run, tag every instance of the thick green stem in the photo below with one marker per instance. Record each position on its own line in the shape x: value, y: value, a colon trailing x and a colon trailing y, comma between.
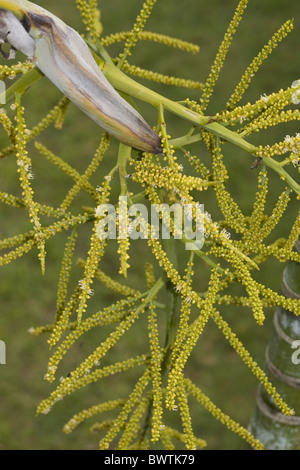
x: 124, y: 84
x: 185, y: 140
x: 277, y: 166
x: 21, y: 85
x: 123, y: 157
x: 154, y: 290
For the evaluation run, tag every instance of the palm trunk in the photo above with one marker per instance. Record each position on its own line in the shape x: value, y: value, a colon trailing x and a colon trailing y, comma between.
x: 275, y: 430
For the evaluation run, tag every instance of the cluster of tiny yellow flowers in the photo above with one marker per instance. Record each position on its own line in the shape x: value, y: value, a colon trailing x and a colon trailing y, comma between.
x: 28, y: 241
x: 294, y: 234
x: 200, y: 168
x: 244, y: 277
x: 61, y: 115
x: 110, y: 315
x: 91, y: 15
x: 190, y: 440
x: 160, y: 78
x: 147, y: 172
x: 290, y: 144
x: 106, y: 345
x: 253, y: 234
x: 10, y: 200
x: 97, y: 409
x: 21, y: 250
x: 69, y: 385
x: 83, y: 181
x: 247, y: 359
x: 179, y: 284
x: 137, y: 28
x: 154, y: 37
x: 65, y: 272
x: 97, y: 249
x: 285, y: 29
x: 100, y: 426
x: 166, y: 439
x: 145, y: 177
x: 221, y: 55
x: 39, y: 128
x: 193, y: 105
x: 111, y: 283
x: 167, y: 434
x: 24, y: 169
x: 271, y: 117
x: 149, y: 274
x: 132, y: 427
x: 67, y: 169
x: 54, y: 115
x: 14, y: 70
x: 277, y: 213
x: 134, y: 397
x: 192, y: 336
x: 234, y: 218
x: 123, y: 237
x: 156, y: 358
x: 218, y: 414
x: 167, y: 177
x: 266, y: 109
x: 61, y: 324
x: 173, y: 307
x: 275, y: 299
x: 185, y: 312
x: 7, y: 125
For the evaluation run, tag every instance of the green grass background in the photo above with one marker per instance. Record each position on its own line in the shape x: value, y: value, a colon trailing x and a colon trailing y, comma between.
x: 28, y: 299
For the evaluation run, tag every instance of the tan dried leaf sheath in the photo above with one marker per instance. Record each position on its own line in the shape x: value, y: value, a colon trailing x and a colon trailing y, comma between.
x: 63, y: 56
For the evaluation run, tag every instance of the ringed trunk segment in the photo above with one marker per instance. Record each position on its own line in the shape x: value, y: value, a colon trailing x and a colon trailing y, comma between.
x: 274, y: 429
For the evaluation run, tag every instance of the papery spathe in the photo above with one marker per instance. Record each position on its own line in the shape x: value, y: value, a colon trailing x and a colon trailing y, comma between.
x: 63, y: 56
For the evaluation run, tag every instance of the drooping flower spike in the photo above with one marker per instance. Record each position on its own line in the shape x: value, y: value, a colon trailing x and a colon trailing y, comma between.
x: 63, y: 56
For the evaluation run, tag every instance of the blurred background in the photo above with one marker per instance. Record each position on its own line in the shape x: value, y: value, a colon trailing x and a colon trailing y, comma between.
x: 28, y: 299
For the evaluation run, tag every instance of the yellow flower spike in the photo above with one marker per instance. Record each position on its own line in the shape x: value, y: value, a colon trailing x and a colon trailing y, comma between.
x: 168, y: 433
x: 91, y: 17
x: 64, y: 275
x: 156, y: 372
x: 63, y: 56
x: 294, y: 235
x: 189, y: 437
x: 220, y: 416
x: 24, y: 170
x: 154, y: 37
x: 69, y: 385
x: 150, y: 275
x: 134, y: 398
x: 90, y: 412
x: 133, y: 425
